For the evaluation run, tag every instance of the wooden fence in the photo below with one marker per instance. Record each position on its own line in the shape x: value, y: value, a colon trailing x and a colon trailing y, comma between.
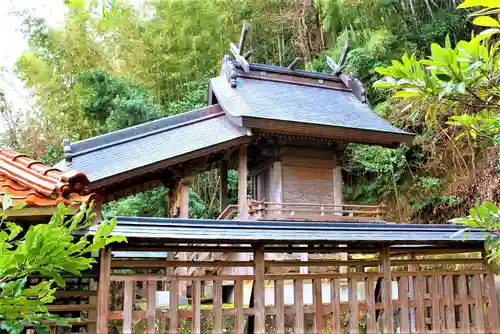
x: 383, y: 301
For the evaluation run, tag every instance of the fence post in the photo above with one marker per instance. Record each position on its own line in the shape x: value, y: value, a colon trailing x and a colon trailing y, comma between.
x: 103, y: 291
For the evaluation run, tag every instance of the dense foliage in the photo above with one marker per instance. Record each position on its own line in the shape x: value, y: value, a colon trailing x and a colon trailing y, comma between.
x: 124, y: 64
x: 44, y: 250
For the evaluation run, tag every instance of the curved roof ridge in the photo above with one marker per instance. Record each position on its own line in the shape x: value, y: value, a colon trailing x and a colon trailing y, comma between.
x: 142, y: 130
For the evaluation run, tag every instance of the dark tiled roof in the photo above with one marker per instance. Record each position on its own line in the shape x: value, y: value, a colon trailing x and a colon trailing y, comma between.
x: 125, y: 150
x: 29, y: 181
x: 297, y: 103
x: 231, y: 231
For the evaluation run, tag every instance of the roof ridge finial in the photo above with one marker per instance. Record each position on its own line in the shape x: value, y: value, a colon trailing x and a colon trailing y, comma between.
x: 338, y: 68
x: 67, y: 152
x: 237, y: 50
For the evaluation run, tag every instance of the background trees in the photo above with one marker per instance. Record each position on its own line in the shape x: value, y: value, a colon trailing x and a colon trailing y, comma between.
x: 123, y: 64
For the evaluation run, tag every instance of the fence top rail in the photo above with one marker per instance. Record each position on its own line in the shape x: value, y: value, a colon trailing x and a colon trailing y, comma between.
x: 275, y: 277
x: 319, y: 205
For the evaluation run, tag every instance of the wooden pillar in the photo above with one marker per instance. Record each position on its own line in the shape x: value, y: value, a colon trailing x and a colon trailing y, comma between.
x: 259, y: 296
x: 183, y: 213
x: 97, y: 209
x: 103, y: 292
x: 337, y: 184
x: 385, y: 257
x: 223, y: 184
x: 242, y: 183
x: 493, y: 318
x: 92, y: 315
x: 184, y: 199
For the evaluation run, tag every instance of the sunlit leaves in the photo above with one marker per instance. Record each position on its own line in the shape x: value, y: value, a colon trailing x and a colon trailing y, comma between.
x: 487, y: 217
x: 49, y: 250
x: 461, y: 79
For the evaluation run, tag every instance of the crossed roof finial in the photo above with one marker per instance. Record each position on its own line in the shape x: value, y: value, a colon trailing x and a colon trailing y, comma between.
x: 238, y: 50
x: 337, y: 68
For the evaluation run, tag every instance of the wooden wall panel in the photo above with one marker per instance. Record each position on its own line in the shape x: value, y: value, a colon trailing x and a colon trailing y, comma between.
x: 307, y: 184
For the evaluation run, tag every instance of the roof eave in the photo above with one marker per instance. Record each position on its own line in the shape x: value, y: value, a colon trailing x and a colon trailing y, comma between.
x: 365, y: 136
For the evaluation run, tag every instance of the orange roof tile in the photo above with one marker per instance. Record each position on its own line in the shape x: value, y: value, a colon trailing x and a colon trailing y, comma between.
x: 29, y: 181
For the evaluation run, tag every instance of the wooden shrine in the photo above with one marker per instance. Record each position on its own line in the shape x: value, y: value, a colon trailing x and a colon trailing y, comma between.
x: 289, y: 256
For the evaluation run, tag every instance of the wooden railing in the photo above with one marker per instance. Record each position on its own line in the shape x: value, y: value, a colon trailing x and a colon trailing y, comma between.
x: 230, y: 212
x: 306, y: 211
x: 315, y: 212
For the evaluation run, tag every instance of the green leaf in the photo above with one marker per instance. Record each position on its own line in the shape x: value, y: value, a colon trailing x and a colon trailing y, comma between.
x: 444, y: 77
x: 6, y: 202
x: 486, y: 21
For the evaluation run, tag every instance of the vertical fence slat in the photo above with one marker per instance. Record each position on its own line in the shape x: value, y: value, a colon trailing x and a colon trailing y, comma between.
x: 354, y: 306
x: 103, y: 291
x: 436, y: 321
x: 259, y: 291
x: 335, y: 297
x: 318, y: 306
x: 279, y: 302
x: 492, y: 301
x: 464, y: 298
x: 151, y: 306
x: 299, y: 305
x: 196, y: 306
x: 239, y: 321
x: 420, y: 310
x: 479, y: 304
x: 217, y: 324
x: 442, y: 314
x: 387, y: 291
x: 172, y: 310
x: 128, y: 300
x: 403, y: 298
x: 450, y: 304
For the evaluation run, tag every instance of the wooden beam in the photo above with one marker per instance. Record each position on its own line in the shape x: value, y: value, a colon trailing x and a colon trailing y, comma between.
x: 371, y: 319
x: 97, y: 210
x: 217, y: 310
x: 387, y: 290
x: 239, y: 320
x: 103, y: 292
x: 179, y: 264
x: 173, y: 311
x: 336, y: 312
x: 318, y: 306
x: 491, y: 290
x: 260, y: 293
x: 299, y: 305
x: 337, y: 183
x: 151, y: 306
x: 279, y: 302
x: 128, y: 303
x: 184, y: 199
x: 242, y: 183
x: 354, y: 306
x: 196, y: 307
x: 224, y: 200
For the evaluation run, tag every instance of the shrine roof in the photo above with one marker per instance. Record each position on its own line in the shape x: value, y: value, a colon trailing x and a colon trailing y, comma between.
x: 143, y: 229
x: 273, y: 97
x: 134, y: 149
x: 39, y: 186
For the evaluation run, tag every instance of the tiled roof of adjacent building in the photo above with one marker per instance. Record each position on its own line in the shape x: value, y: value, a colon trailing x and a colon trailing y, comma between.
x: 29, y: 181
